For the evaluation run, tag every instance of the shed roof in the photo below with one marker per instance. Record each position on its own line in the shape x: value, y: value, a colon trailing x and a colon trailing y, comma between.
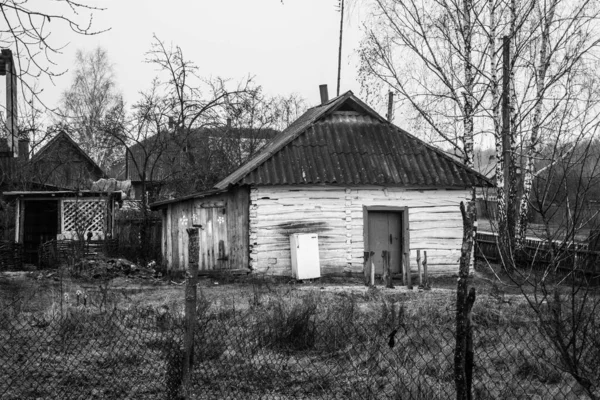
x: 161, y: 204
x: 345, y: 142
x: 62, y: 193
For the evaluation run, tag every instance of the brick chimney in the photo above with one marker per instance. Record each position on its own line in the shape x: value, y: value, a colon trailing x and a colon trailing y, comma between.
x: 324, y: 94
x: 7, y: 68
x: 24, y: 149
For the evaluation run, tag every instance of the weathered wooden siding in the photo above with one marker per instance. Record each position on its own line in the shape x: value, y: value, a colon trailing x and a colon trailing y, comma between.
x: 223, y: 236
x: 336, y: 214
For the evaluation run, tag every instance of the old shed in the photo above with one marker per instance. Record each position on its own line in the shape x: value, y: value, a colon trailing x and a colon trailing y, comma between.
x: 61, y: 215
x: 343, y: 172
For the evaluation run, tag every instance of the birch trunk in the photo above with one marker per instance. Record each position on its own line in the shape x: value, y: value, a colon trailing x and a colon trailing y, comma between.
x: 511, y: 186
x: 540, y: 81
x: 468, y: 216
x: 495, y: 93
x: 462, y: 309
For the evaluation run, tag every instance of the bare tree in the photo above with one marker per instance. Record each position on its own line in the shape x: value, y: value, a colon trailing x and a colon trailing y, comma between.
x: 207, y: 116
x: 444, y: 60
x: 557, y: 273
x: 88, y: 105
x: 27, y: 31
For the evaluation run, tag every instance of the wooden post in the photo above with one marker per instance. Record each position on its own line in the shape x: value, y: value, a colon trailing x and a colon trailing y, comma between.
x: 426, y: 287
x: 408, y: 274
x: 372, y: 271
x: 403, y: 269
x: 469, y: 355
x: 367, y: 268
x: 190, y: 310
x: 387, y: 271
x: 419, y: 269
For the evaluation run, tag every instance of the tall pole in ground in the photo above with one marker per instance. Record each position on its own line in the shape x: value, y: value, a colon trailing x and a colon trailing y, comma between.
x: 190, y: 311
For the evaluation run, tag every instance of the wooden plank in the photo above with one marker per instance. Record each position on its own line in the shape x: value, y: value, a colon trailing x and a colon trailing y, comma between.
x: 169, y: 237
x: 342, y: 236
x: 174, y: 240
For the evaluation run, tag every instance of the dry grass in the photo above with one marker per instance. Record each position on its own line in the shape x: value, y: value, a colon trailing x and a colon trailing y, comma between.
x: 263, y: 338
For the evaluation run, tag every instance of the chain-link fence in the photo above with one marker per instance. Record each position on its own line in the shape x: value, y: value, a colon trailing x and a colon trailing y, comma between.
x: 272, y: 347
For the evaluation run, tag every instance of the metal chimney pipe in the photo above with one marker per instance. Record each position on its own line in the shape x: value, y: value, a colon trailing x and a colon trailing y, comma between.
x: 390, y: 112
x: 324, y: 94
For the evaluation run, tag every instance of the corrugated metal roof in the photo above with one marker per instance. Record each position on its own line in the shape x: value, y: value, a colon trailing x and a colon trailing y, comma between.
x: 345, y: 142
x: 360, y: 150
x: 206, y: 193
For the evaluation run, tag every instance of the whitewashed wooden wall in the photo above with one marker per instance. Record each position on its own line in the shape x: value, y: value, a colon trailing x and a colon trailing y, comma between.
x: 336, y: 214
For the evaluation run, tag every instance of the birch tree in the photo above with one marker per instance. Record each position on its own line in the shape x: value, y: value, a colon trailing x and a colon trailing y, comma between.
x: 89, y: 104
x: 443, y: 58
x: 429, y: 52
x: 563, y: 43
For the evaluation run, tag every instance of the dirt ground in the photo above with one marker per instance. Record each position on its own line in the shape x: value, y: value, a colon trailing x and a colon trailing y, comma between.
x: 40, y: 288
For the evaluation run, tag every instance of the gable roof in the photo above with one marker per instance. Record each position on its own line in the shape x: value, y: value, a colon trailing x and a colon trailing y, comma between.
x: 346, y: 142
x: 55, y: 141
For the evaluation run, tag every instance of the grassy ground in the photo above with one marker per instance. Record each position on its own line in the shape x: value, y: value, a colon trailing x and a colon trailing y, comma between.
x: 266, y: 338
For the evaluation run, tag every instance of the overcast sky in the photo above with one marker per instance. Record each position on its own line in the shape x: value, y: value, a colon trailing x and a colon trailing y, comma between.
x: 289, y: 48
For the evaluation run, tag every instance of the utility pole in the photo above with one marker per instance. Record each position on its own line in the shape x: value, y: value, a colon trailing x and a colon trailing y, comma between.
x: 340, y: 50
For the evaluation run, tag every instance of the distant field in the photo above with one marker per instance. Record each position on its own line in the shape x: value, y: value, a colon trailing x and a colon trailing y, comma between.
x: 535, y: 231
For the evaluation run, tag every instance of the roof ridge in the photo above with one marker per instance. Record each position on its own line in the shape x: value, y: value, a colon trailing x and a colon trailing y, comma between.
x: 62, y: 132
x: 283, y: 139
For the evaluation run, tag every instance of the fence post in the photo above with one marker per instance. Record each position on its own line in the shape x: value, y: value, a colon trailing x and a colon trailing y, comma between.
x: 419, y: 269
x: 387, y: 273
x: 190, y: 310
x: 426, y: 284
x: 367, y: 268
x: 469, y: 355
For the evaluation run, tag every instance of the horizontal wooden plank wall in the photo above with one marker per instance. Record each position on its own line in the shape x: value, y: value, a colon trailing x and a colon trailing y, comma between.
x: 223, y: 236
x: 336, y: 214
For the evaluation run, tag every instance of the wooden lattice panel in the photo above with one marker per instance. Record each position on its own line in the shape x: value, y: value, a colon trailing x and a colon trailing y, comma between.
x: 84, y: 216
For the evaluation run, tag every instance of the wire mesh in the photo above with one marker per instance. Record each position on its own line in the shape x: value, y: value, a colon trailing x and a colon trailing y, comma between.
x: 273, y: 349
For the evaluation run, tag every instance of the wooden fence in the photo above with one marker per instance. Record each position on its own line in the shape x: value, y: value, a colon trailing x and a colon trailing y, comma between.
x: 11, y: 255
x: 539, y: 253
x: 128, y: 234
x: 53, y: 252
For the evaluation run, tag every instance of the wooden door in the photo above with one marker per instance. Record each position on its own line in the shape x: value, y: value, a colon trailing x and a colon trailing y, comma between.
x: 385, y: 234
x: 214, y: 246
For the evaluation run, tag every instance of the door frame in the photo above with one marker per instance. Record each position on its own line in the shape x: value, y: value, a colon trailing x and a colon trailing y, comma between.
x: 405, y: 230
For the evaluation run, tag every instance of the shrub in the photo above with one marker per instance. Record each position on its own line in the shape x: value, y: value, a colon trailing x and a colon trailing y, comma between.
x: 288, y: 326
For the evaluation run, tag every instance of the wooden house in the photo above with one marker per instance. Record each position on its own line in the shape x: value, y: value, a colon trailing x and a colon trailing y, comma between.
x: 343, y: 172
x: 62, y: 163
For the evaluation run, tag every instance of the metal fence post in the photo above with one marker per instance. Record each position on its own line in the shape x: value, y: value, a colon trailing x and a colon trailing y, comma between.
x: 190, y: 310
